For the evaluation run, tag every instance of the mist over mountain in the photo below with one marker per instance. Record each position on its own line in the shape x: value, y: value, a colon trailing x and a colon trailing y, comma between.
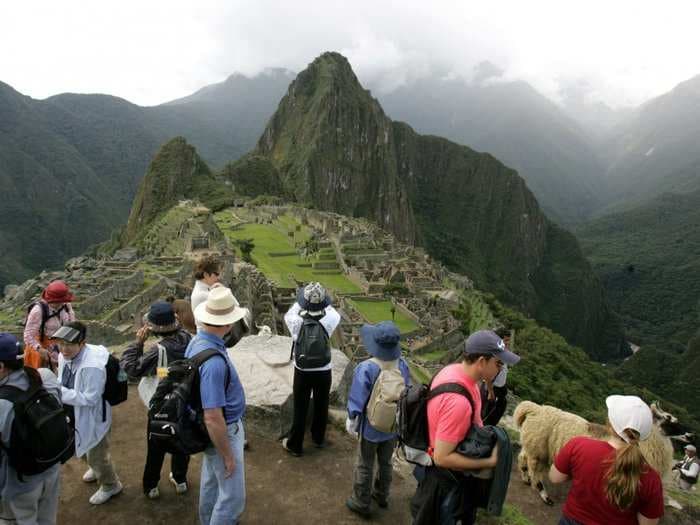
x: 516, y: 124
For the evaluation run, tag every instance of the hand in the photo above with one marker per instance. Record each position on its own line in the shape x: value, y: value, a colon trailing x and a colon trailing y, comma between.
x: 493, y: 458
x: 351, y: 426
x: 143, y: 333
x: 43, y: 352
x: 229, y: 466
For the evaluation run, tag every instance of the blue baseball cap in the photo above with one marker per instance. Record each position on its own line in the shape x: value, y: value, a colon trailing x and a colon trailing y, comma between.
x: 488, y: 342
x: 10, y: 347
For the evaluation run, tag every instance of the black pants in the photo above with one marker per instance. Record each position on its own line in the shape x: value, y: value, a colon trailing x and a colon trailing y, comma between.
x: 497, y: 408
x: 155, y: 457
x: 306, y: 383
x: 444, y: 498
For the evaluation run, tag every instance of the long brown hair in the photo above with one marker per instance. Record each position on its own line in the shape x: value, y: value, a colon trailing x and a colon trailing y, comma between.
x: 625, y: 471
x: 183, y: 311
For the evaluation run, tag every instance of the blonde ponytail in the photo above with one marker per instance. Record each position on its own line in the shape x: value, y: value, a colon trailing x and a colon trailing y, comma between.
x: 624, y: 473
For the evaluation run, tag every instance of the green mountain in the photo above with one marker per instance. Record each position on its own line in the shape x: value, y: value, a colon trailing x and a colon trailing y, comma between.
x: 654, y: 149
x: 333, y: 148
x: 78, y: 159
x: 517, y: 125
x: 649, y: 261
x: 176, y: 173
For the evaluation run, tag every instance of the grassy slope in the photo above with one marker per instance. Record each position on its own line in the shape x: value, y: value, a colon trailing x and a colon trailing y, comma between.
x: 375, y: 312
x: 271, y: 239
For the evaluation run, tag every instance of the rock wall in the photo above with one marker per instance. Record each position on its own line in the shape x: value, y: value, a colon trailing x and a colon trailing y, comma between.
x: 255, y: 292
x: 93, y: 306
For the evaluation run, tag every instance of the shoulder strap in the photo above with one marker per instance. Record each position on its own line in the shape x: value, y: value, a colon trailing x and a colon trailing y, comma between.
x: 162, y: 356
x: 199, y: 359
x: 11, y: 393
x: 451, y: 388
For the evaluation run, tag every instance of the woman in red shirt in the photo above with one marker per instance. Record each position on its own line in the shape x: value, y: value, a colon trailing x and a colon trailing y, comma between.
x: 611, y: 482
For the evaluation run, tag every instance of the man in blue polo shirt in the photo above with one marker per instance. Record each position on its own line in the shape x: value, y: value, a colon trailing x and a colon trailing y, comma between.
x: 222, y: 487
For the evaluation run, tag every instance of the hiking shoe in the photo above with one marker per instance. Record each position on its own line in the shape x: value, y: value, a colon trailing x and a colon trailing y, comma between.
x: 357, y: 508
x: 153, y: 493
x: 180, y: 488
x: 289, y: 450
x: 89, y: 476
x: 382, y: 502
x: 103, y: 496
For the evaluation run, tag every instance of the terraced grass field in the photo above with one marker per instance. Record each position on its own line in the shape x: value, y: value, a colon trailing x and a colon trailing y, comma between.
x: 375, y: 311
x: 271, y: 239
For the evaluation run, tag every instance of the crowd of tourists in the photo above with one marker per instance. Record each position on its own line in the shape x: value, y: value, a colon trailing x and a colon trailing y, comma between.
x: 57, y: 392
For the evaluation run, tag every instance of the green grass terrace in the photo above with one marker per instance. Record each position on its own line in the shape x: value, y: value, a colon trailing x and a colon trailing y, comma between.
x: 276, y: 256
x: 376, y: 311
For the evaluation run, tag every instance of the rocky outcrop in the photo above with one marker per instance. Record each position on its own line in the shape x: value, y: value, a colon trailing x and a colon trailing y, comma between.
x: 267, y: 374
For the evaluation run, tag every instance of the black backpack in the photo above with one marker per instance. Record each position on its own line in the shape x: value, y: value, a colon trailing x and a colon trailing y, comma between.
x: 117, y: 382
x: 175, y: 415
x: 412, y: 419
x: 45, y: 315
x: 312, y: 349
x: 41, y: 435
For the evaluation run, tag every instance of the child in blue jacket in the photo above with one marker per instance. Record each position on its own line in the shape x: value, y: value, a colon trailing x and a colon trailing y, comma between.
x: 382, y: 343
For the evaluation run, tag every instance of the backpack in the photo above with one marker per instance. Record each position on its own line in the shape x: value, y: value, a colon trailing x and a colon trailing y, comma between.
x: 386, y: 392
x: 40, y: 436
x: 117, y: 382
x: 175, y: 415
x: 45, y: 315
x: 312, y: 349
x: 412, y: 419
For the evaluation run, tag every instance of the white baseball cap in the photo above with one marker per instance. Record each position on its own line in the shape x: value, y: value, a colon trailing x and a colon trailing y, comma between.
x: 690, y: 448
x: 629, y: 412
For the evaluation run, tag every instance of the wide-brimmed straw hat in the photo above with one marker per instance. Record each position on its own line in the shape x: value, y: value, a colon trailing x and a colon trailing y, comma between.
x: 220, y: 308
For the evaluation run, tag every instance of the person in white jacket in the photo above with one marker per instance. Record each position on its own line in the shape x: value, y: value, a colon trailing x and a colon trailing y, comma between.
x: 206, y: 275
x: 313, y: 302
x: 81, y: 371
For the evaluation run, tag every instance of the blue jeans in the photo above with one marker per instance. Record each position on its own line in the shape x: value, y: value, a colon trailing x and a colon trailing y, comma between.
x: 222, y: 499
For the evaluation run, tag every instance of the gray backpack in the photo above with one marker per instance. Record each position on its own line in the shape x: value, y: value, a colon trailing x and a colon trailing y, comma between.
x: 383, y: 402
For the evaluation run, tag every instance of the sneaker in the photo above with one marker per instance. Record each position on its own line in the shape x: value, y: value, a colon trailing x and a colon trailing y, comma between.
x: 153, y: 493
x: 382, y: 502
x: 89, y: 476
x: 103, y: 496
x: 357, y: 508
x: 289, y: 450
x: 180, y: 488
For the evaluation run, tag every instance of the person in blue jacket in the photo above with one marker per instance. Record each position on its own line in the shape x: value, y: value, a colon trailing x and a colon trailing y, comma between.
x: 382, y: 343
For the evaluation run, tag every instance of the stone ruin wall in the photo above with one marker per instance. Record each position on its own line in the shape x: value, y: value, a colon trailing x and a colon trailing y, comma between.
x: 93, y: 306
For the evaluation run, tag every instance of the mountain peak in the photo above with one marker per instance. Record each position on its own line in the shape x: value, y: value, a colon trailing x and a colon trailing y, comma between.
x: 176, y: 173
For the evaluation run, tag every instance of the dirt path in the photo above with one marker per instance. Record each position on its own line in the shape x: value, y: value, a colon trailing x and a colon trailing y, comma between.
x: 282, y: 490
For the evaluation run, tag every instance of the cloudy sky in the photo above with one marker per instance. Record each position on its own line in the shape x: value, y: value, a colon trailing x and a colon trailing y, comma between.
x: 150, y: 51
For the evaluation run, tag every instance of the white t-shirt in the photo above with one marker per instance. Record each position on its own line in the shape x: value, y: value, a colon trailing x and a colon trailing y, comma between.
x: 200, y: 292
x: 293, y: 320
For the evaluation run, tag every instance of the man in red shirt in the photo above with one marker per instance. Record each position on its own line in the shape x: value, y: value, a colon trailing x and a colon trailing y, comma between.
x: 445, y: 490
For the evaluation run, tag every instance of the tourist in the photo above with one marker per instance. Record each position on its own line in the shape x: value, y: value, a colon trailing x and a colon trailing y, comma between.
x: 450, y: 416
x: 495, y: 393
x: 31, y: 500
x: 688, y: 468
x: 382, y: 343
x: 611, y: 481
x: 48, y: 314
x: 311, y: 321
x: 184, y: 314
x: 222, y: 485
x: 81, y: 371
x: 171, y: 345
x: 206, y: 274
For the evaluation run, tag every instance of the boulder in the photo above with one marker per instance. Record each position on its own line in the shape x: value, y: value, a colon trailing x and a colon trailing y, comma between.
x: 267, y: 376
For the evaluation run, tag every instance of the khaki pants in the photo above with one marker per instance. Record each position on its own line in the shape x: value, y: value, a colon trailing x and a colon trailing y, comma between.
x: 100, y: 461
